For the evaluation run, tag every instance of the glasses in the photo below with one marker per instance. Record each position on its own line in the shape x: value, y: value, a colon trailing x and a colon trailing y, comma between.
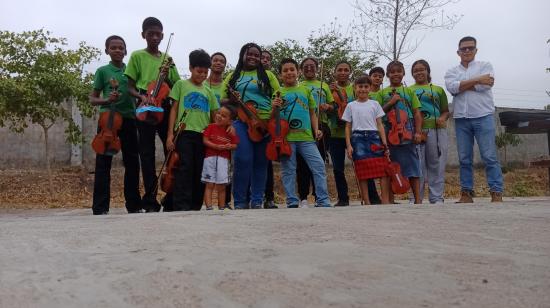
x: 467, y: 48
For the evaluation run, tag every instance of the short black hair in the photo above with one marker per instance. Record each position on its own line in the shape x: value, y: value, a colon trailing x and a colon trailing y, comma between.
x: 309, y: 58
x: 467, y: 39
x: 150, y: 22
x: 363, y: 79
x: 426, y: 65
x: 343, y: 62
x: 114, y: 37
x: 199, y: 58
x: 218, y: 54
x: 285, y: 61
x: 232, y: 110
x: 395, y: 63
x: 377, y: 69
x: 268, y: 52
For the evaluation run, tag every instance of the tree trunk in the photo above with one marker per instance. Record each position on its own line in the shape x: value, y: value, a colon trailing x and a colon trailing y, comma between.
x: 396, y: 16
x: 48, y: 166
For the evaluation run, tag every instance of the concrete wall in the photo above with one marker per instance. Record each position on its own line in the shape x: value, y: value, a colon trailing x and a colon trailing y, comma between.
x: 27, y: 150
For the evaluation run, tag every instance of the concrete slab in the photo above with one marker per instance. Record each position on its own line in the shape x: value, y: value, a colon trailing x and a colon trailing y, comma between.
x: 480, y: 255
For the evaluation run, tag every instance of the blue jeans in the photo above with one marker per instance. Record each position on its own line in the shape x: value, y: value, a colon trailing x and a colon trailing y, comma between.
x: 308, y: 150
x: 337, y: 148
x: 483, y: 130
x: 250, y: 169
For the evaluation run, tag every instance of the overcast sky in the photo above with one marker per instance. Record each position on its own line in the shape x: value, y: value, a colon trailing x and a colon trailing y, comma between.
x: 512, y: 34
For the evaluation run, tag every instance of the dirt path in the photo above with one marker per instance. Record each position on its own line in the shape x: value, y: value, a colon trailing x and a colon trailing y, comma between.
x: 478, y: 255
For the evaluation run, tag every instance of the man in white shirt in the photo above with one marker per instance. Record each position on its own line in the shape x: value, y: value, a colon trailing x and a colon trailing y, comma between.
x: 470, y: 84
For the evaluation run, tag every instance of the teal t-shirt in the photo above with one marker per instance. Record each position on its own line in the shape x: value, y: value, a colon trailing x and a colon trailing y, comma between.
x: 320, y: 96
x: 433, y: 101
x: 125, y: 104
x: 195, y: 105
x: 247, y: 86
x: 216, y: 89
x: 297, y: 101
x: 337, y: 127
x: 143, y: 68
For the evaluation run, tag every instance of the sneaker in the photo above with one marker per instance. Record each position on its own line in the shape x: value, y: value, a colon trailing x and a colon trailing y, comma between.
x: 292, y: 206
x: 256, y: 206
x: 304, y: 204
x: 496, y: 196
x: 322, y: 205
x: 341, y: 203
x: 227, y: 207
x: 209, y: 208
x: 269, y: 204
x: 466, y: 196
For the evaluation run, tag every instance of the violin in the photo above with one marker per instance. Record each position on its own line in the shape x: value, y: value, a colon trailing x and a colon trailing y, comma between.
x: 170, y: 165
x: 278, y: 128
x: 150, y: 110
x: 247, y: 113
x: 398, y: 132
x: 399, y: 183
x: 107, y: 142
x: 341, y: 100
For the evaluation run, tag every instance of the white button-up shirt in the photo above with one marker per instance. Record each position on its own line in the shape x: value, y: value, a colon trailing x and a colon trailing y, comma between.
x: 475, y: 103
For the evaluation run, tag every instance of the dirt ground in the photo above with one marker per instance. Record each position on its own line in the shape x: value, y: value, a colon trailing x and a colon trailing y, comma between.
x: 73, y: 187
x: 480, y: 255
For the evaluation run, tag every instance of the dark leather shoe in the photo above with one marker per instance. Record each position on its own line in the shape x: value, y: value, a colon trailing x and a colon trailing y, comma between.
x: 341, y: 203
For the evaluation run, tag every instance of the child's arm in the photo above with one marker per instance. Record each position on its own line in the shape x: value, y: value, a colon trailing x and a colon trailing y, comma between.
x: 171, y: 122
x: 349, y: 148
x: 382, y: 133
x: 417, y: 125
x: 315, y: 124
x: 96, y: 99
x: 211, y: 144
x: 134, y: 91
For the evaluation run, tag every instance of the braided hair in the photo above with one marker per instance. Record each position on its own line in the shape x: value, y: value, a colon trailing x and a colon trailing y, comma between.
x: 263, y: 80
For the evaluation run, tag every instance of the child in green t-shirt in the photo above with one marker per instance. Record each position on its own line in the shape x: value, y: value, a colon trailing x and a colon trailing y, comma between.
x: 401, y: 98
x: 142, y: 69
x: 193, y: 109
x: 111, y: 93
x: 376, y: 75
x: 297, y: 106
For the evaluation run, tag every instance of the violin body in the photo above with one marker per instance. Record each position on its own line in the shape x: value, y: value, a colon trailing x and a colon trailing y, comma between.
x: 278, y: 128
x: 341, y: 100
x: 150, y: 111
x: 107, y: 142
x: 399, y: 183
x: 168, y: 176
x: 248, y: 114
x: 398, y: 132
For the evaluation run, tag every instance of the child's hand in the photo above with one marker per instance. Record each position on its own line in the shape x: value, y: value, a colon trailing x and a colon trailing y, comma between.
x: 395, y: 98
x: 325, y: 107
x: 277, y: 102
x: 440, y: 122
x: 386, y: 151
x: 230, y: 130
x: 318, y: 134
x: 170, y: 146
x: 349, y: 151
x: 113, y: 97
x: 333, y: 86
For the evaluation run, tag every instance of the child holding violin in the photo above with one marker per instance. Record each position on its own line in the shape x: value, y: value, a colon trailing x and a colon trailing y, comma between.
x: 366, y: 139
x: 111, y: 94
x: 219, y: 144
x: 342, y: 92
x: 404, y: 125
x: 194, y: 108
x: 144, y: 67
x: 297, y: 107
x: 250, y: 83
x: 269, y: 194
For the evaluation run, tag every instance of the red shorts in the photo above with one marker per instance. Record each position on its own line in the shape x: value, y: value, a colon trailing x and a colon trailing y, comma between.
x: 370, y: 168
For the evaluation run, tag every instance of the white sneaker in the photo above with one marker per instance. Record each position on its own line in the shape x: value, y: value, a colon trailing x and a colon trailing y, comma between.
x: 304, y: 204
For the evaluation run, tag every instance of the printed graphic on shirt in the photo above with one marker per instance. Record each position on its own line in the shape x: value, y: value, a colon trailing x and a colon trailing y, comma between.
x: 196, y: 100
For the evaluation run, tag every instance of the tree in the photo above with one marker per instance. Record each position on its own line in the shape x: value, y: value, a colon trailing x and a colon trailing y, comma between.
x: 329, y: 44
x: 385, y: 26
x: 503, y: 140
x: 38, y: 75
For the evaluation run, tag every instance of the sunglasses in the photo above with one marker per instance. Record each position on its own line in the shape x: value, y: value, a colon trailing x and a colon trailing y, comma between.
x: 468, y: 48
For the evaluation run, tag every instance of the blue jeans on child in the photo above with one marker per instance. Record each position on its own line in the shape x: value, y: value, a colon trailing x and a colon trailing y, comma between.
x: 483, y: 130
x: 310, y: 153
x: 250, y: 169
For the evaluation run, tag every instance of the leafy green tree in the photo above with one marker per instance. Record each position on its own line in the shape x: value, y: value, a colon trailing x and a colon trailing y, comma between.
x: 386, y: 26
x: 503, y: 140
x: 329, y: 45
x: 38, y: 75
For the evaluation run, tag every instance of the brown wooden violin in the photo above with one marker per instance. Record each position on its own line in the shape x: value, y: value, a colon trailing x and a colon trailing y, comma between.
x: 150, y: 110
x: 247, y: 113
x: 170, y: 165
x: 278, y: 128
x: 398, y: 119
x: 341, y: 100
x: 107, y: 142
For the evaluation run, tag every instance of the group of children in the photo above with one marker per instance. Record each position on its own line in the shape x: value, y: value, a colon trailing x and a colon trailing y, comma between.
x: 200, y: 125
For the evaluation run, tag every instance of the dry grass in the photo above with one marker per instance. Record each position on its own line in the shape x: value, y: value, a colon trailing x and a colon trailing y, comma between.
x: 74, y: 187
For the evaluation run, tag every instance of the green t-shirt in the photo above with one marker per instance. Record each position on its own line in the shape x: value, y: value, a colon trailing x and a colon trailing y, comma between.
x: 247, y: 86
x: 337, y: 127
x: 433, y: 100
x: 216, y: 89
x: 125, y: 104
x: 320, y: 97
x: 412, y: 102
x: 143, y: 68
x: 195, y: 105
x: 297, y: 101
